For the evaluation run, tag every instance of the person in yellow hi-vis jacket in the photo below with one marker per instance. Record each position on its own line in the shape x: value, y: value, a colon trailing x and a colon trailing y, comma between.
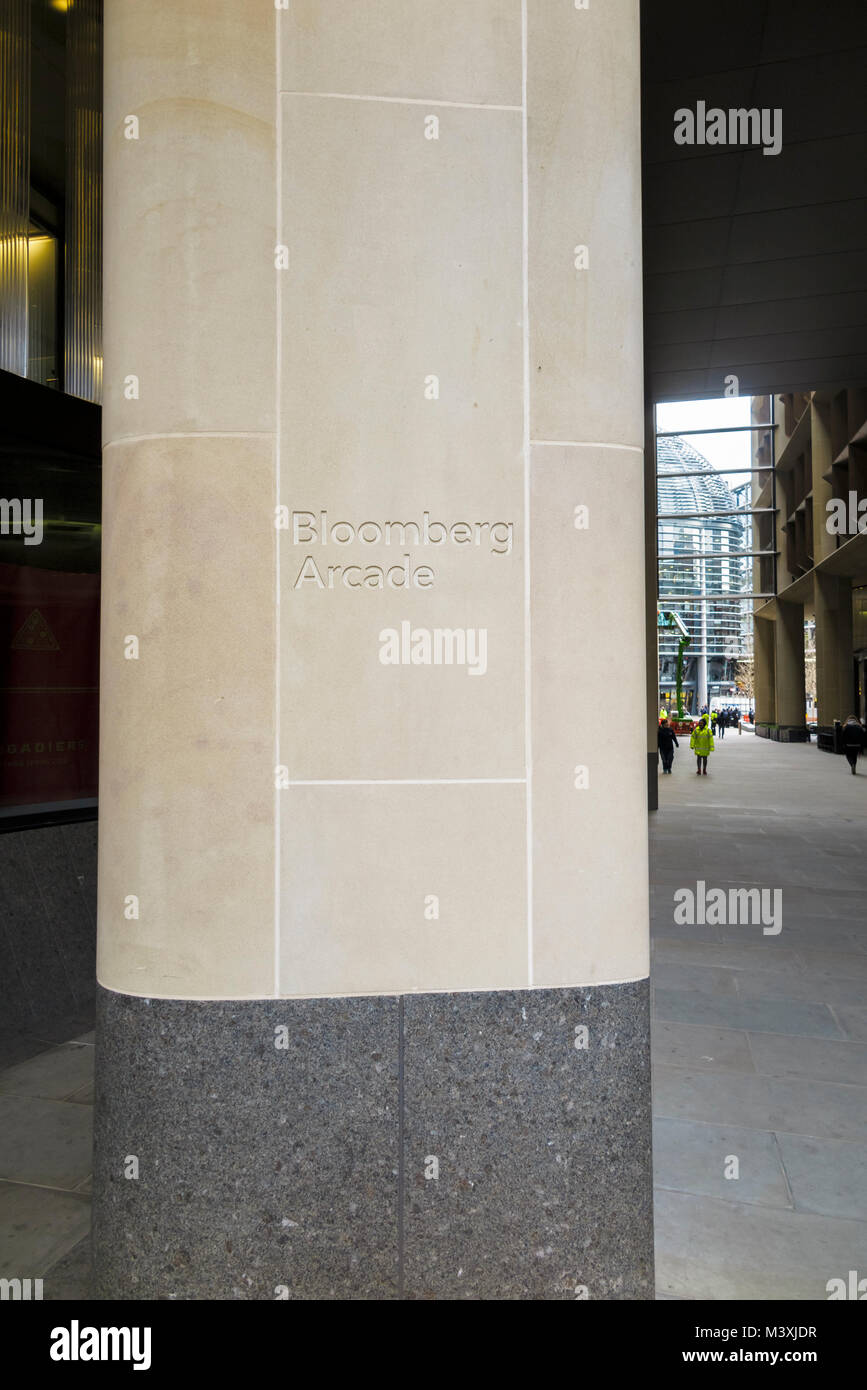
x: 701, y: 743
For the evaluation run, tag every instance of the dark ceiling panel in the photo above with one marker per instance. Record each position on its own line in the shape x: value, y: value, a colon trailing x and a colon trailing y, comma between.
x: 756, y: 264
x: 682, y: 289
x: 803, y: 316
x: 804, y: 27
x: 685, y: 246
x: 799, y: 231
x: 677, y: 36
x: 831, y: 274
x: 817, y: 171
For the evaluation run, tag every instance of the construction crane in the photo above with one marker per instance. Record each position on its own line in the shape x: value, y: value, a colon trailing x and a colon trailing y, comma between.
x: 669, y: 621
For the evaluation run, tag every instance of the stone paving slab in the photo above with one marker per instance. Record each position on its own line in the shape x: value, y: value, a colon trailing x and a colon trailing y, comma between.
x: 815, y: 1108
x: 768, y: 1015
x: 45, y: 1142
x: 712, y: 1249
x: 826, y: 1175
x: 52, y: 1075
x: 710, y: 1049
x: 695, y: 1158
x: 819, y: 1059
x: 37, y: 1228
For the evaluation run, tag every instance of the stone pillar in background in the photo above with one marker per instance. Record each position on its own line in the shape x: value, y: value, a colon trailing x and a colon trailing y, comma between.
x: 832, y: 601
x: 764, y: 685
x: 373, y: 899
x: 790, y: 696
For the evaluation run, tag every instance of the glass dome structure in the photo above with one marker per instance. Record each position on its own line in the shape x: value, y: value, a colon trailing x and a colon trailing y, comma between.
x: 704, y: 568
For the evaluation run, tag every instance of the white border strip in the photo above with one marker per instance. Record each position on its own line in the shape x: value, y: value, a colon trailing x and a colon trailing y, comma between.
x: 395, y: 993
x: 406, y: 101
x: 582, y: 444
x: 278, y: 375
x: 528, y: 675
x: 188, y: 434
x: 407, y: 781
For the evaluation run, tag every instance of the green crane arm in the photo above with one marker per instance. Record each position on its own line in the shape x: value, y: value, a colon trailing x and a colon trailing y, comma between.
x: 667, y: 619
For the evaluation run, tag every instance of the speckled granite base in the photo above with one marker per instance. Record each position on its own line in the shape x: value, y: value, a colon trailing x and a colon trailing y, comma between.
x: 438, y: 1146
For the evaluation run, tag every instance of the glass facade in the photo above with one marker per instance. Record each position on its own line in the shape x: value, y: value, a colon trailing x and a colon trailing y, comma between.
x: 51, y: 194
x: 50, y: 352
x: 704, y: 548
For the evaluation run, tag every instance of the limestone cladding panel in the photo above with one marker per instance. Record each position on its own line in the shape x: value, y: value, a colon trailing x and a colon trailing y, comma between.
x: 187, y: 728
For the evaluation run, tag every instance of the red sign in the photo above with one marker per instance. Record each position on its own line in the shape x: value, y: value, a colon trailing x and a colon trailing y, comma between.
x: 49, y: 685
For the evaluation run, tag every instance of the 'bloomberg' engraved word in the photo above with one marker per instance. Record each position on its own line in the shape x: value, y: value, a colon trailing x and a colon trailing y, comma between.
x: 311, y: 529
x: 437, y: 646
x: 737, y: 126
x: 307, y: 529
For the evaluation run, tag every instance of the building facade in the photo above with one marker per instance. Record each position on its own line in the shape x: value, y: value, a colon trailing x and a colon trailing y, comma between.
x: 815, y: 544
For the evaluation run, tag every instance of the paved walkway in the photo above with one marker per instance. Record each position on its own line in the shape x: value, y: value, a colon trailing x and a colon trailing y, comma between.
x: 46, y: 1125
x: 760, y: 1041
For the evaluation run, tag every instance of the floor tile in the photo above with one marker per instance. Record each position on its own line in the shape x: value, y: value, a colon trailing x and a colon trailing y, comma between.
x: 761, y: 1015
x: 694, y: 1157
x: 45, y: 1142
x: 711, y: 1249
x: 825, y: 1175
x: 853, y: 1022
x: 37, y: 1228
x: 813, y: 1108
x: 51, y: 1075
x: 705, y: 979
x: 818, y: 1059
x: 711, y: 1049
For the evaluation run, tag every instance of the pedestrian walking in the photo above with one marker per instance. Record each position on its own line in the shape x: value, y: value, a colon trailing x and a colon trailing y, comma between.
x: 666, y: 742
x: 701, y: 743
x: 852, y: 738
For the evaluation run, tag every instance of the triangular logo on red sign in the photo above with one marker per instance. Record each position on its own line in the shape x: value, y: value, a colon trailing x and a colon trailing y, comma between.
x: 35, y: 636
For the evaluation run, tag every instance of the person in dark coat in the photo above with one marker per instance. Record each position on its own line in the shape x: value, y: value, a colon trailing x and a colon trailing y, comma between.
x: 852, y: 739
x: 666, y: 742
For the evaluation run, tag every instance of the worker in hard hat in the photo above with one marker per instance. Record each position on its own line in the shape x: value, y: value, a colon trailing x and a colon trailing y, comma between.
x: 701, y: 743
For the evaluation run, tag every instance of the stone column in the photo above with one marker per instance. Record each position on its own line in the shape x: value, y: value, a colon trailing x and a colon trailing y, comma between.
x: 373, y: 900
x: 832, y: 601
x: 764, y: 686
x: 790, y: 693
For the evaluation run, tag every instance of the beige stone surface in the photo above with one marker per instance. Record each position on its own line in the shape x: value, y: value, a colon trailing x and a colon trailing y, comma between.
x: 359, y: 864
x: 210, y: 51
x: 450, y: 51
x: 401, y: 278
x: 590, y: 874
x: 187, y: 730
x: 584, y: 159
x: 407, y: 261
x: 414, y: 270
x: 190, y: 222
